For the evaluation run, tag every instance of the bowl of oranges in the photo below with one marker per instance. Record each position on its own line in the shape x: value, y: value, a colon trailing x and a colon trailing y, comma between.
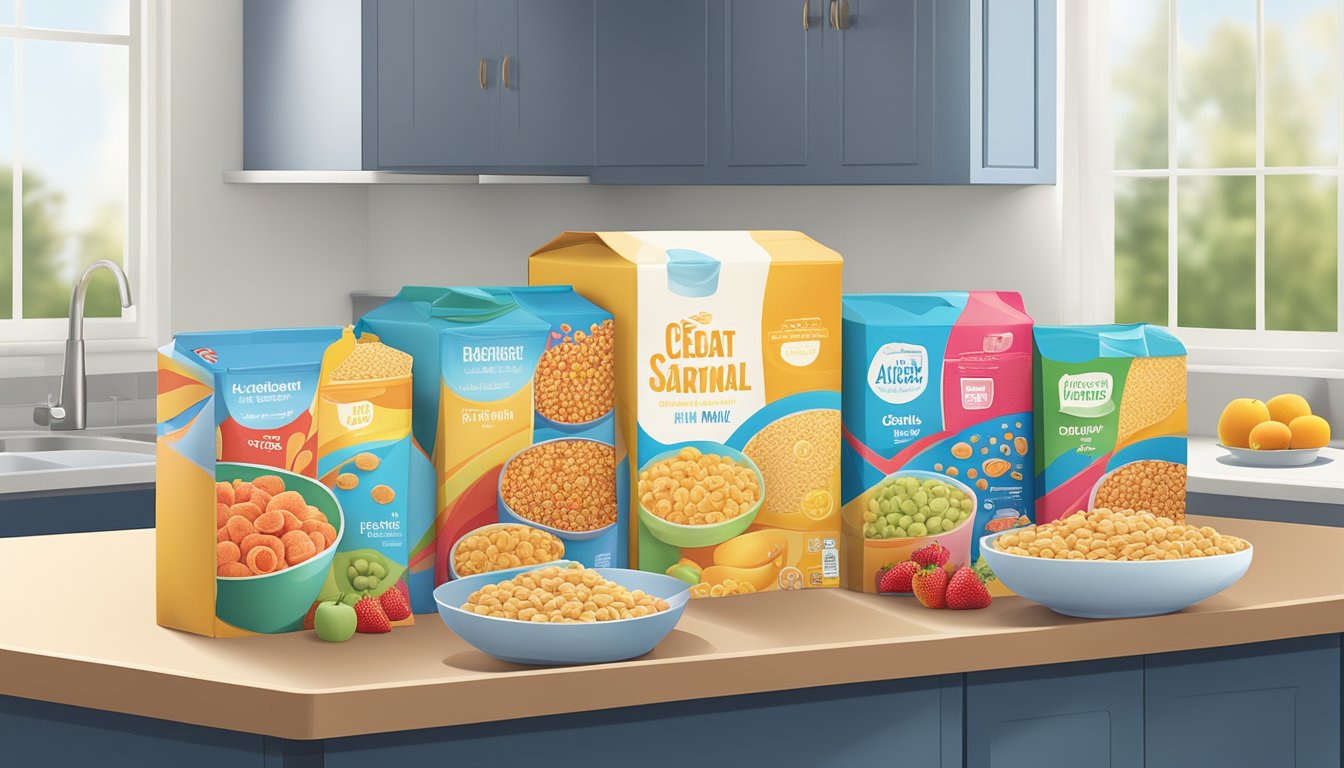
x: 1279, y: 432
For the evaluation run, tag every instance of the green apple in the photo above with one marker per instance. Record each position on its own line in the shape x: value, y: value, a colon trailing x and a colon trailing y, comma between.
x: 335, y: 621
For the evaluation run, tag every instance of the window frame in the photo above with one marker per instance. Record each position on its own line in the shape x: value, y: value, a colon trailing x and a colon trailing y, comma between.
x: 1089, y: 123
x: 35, y: 346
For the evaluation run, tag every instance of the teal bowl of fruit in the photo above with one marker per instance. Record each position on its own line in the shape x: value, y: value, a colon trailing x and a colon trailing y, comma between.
x: 277, y: 601
x: 711, y: 534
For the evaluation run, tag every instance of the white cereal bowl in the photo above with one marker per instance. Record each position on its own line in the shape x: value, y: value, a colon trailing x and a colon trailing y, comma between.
x: 525, y: 642
x: 1106, y: 589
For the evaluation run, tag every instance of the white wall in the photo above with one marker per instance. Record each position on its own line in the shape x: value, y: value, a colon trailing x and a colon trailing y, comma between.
x: 892, y: 238
x: 246, y: 256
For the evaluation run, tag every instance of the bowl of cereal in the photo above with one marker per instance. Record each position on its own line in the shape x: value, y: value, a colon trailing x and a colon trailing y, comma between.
x: 566, y: 487
x: 563, y: 613
x: 1106, y: 564
x: 501, y: 546
x: 574, y: 381
x: 699, y: 495
x: 908, y: 510
x: 276, y: 536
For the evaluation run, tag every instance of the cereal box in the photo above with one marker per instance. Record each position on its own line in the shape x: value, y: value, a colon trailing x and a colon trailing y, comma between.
x: 364, y: 455
x: 1110, y: 420
x: 245, y: 534
x: 937, y: 426
x: 728, y: 381
x: 513, y: 403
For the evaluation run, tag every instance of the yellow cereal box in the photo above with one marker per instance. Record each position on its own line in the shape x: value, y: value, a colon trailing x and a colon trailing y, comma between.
x: 727, y: 398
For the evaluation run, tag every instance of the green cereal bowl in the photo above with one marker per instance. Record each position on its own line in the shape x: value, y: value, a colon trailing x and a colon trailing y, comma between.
x: 277, y: 602
x: 688, y: 536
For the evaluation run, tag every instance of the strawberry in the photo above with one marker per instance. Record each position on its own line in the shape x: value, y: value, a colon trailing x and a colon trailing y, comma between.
x: 966, y: 590
x: 371, y: 617
x: 933, y: 554
x: 930, y: 586
x: 395, y: 605
x: 308, y: 617
x: 897, y: 578
x: 881, y: 571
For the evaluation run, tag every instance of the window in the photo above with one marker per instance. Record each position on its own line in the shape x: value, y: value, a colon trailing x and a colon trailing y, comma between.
x: 72, y: 179
x: 1222, y: 185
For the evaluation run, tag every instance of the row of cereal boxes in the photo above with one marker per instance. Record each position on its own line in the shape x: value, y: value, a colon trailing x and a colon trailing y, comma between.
x: 667, y: 400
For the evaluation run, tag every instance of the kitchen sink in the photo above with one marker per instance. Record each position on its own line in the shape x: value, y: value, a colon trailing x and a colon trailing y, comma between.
x: 51, y: 461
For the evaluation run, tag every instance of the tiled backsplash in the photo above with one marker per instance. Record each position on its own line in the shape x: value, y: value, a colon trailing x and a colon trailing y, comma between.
x: 115, y: 399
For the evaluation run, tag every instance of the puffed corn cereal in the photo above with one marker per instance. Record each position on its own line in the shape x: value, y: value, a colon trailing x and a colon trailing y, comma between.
x: 1158, y: 486
x: 507, y: 546
x: 569, y: 485
x: 575, y: 379
x: 1105, y: 534
x: 694, y: 488
x: 799, y: 458
x: 569, y: 595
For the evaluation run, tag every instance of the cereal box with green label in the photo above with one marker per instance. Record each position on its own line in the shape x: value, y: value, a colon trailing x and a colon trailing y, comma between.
x: 1110, y: 420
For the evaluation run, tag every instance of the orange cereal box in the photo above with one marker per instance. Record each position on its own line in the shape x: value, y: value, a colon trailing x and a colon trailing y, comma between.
x: 727, y: 399
x: 245, y: 534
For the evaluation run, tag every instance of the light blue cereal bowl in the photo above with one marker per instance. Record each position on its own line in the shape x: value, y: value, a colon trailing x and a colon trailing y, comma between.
x: 1105, y: 589
x: 523, y: 642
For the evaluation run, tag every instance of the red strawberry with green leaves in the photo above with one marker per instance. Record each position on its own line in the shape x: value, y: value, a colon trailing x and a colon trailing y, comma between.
x: 395, y: 604
x: 966, y: 589
x: 897, y: 577
x: 371, y: 617
x: 932, y: 554
x: 930, y: 586
x: 881, y: 571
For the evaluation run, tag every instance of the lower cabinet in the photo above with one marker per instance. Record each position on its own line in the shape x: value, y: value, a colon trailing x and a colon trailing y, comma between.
x: 898, y: 722
x: 77, y: 511
x: 1270, y: 704
x: 1057, y: 716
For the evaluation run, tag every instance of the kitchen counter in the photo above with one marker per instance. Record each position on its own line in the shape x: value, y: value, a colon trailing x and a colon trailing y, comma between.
x: 83, y: 634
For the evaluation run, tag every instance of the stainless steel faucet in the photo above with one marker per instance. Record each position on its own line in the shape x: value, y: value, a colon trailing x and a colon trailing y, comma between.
x: 70, y: 409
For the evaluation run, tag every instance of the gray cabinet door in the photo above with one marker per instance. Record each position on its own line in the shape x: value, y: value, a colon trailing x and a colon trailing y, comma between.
x: 1089, y: 713
x: 1012, y: 73
x: 772, y: 86
x: 432, y: 109
x: 652, y: 83
x: 1270, y: 704
x: 547, y: 102
x: 880, y: 91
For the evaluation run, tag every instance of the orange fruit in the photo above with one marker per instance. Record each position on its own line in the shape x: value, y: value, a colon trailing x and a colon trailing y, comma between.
x: 1285, y: 408
x: 1238, y: 419
x: 1309, y: 432
x: 1270, y: 436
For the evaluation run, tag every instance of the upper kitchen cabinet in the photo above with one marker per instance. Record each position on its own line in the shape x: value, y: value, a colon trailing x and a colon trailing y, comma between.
x: 772, y: 80
x: 657, y: 91
x: 481, y: 84
x: 653, y: 65
x: 996, y: 85
x: 879, y: 105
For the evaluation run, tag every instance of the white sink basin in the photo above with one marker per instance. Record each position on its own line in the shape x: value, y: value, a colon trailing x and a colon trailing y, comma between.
x: 56, y: 461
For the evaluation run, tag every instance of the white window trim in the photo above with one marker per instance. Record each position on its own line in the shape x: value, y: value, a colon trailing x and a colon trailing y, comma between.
x: 126, y: 344
x: 1089, y: 214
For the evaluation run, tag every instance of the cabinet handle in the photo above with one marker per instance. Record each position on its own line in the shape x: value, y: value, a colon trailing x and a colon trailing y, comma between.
x: 504, y: 72
x: 832, y: 11
x: 807, y: 14
x: 842, y: 15
x: 484, y: 82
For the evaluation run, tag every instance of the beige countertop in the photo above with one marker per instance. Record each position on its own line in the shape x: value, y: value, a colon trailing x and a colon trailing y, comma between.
x: 82, y: 632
